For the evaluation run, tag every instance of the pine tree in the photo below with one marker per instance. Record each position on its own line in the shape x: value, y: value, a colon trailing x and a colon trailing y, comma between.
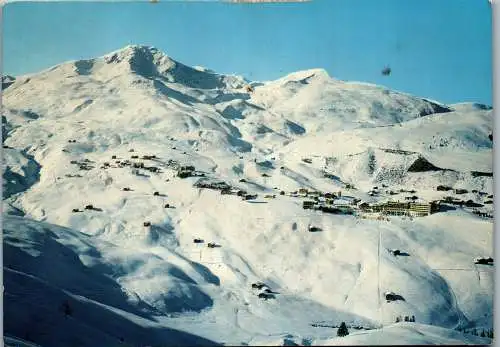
x: 66, y: 308
x: 412, y: 319
x: 342, y: 331
x: 483, y: 334
x: 398, y: 319
x: 372, y: 163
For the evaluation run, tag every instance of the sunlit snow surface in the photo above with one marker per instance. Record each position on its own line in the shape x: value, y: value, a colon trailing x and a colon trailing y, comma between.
x: 132, y: 285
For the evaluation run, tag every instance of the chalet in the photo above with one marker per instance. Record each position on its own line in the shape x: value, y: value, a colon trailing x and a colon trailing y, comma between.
x: 308, y: 204
x: 365, y: 207
x: 303, y: 191
x: 345, y: 201
x: 390, y: 296
x: 483, y: 261
x: 435, y: 206
x: 258, y: 285
x: 266, y: 296
x: 329, y: 209
x: 185, y: 174
x: 173, y: 164
x: 219, y: 185
x: 250, y: 197
x: 321, y: 199
x: 187, y: 168
x: 216, y: 185
x: 470, y: 203
x: 314, y: 194
x: 482, y: 214
x: 313, y: 228
x: 226, y: 191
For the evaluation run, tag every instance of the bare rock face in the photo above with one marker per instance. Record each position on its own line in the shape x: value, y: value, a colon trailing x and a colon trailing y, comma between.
x: 422, y: 165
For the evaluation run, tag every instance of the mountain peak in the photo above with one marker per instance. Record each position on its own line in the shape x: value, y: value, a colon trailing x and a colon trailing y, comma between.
x: 133, y: 50
x: 147, y: 61
x: 305, y: 75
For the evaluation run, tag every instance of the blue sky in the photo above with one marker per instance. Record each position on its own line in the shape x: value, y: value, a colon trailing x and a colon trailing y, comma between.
x: 439, y: 49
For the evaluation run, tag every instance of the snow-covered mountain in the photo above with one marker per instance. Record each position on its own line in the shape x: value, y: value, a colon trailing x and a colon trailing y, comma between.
x: 72, y: 132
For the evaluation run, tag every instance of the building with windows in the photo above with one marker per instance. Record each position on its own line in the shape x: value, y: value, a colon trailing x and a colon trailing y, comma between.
x: 419, y: 209
x: 414, y: 209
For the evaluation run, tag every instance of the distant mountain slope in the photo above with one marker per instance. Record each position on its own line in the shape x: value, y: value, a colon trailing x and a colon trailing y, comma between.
x: 320, y: 103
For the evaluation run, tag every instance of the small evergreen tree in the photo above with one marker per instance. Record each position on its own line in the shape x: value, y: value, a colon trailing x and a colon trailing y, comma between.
x: 412, y: 319
x: 372, y: 163
x: 407, y: 319
x: 342, y: 331
x: 483, y: 334
x: 66, y: 308
x: 398, y: 319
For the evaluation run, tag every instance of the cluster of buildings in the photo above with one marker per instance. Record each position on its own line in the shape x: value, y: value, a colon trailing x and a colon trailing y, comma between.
x: 338, y: 204
x: 85, y: 164
x: 188, y: 171
x: 122, y: 163
x: 396, y: 208
x: 224, y: 188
